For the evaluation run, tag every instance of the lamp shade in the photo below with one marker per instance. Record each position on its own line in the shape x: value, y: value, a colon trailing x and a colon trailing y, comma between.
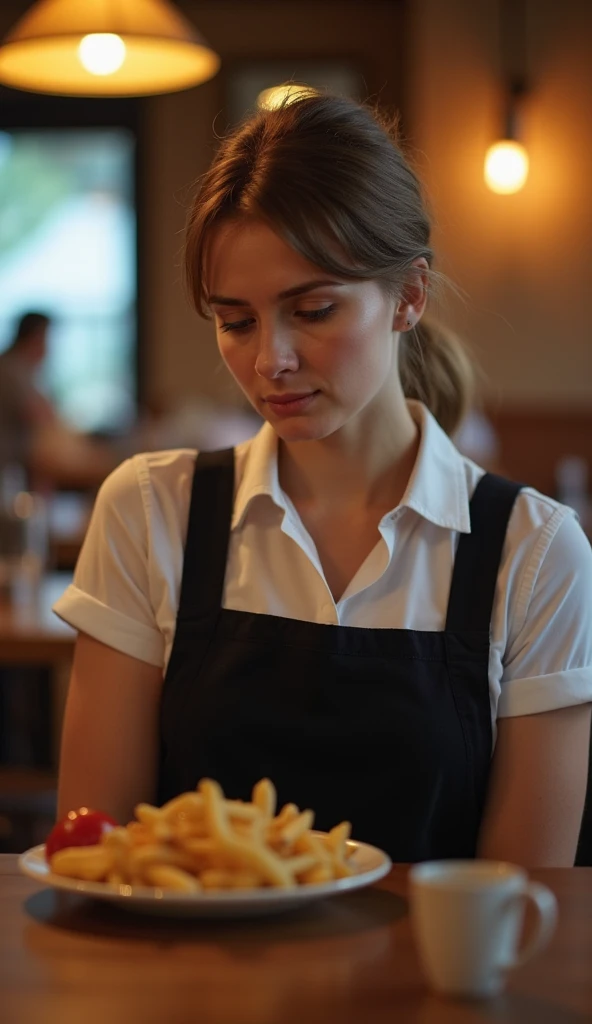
x: 105, y: 48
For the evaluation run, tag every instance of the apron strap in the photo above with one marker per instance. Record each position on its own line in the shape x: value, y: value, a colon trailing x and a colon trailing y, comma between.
x: 208, y: 532
x: 479, y: 553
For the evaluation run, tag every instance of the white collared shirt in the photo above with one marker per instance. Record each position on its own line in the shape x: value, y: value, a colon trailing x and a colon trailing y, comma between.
x: 127, y: 582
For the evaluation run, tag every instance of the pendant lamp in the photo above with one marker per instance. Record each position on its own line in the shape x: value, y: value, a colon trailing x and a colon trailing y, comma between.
x: 105, y: 48
x: 506, y: 162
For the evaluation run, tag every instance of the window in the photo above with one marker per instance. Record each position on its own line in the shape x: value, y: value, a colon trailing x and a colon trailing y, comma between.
x: 68, y: 248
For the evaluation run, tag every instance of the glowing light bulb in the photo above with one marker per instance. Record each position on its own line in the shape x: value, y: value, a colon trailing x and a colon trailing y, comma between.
x: 506, y: 167
x: 271, y: 99
x: 102, y: 53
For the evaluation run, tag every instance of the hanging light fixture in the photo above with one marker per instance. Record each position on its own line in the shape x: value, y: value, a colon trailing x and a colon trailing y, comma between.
x: 105, y: 48
x: 506, y: 161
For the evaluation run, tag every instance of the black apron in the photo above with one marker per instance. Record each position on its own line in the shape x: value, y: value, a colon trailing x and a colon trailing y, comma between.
x: 389, y: 729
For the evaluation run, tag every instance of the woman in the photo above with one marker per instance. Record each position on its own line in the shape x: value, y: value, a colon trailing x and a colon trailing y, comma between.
x: 349, y: 606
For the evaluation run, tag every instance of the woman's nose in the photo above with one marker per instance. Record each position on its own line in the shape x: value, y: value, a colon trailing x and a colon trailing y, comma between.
x: 276, y: 354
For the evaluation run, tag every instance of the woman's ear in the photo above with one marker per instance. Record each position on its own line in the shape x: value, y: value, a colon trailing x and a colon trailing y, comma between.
x: 414, y: 296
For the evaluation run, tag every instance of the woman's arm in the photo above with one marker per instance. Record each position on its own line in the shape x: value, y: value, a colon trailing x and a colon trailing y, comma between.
x: 537, y: 788
x: 109, y: 751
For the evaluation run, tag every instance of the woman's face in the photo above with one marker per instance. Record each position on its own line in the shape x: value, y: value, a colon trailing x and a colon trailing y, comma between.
x: 313, y: 352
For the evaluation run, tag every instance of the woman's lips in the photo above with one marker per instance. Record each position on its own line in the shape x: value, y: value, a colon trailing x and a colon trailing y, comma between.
x: 288, y: 404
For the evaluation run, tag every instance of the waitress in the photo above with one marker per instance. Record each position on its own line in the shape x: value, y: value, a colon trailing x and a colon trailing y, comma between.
x: 343, y: 603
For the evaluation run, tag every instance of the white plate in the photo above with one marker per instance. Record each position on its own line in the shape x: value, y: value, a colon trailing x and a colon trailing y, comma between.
x: 370, y: 865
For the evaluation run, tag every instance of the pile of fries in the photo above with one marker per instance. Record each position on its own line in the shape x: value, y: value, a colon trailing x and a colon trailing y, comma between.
x: 202, y: 842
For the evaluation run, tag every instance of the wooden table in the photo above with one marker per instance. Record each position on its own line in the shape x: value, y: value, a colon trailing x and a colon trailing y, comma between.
x: 348, y: 960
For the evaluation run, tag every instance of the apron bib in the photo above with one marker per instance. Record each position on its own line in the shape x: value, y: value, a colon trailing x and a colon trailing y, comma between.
x: 389, y: 729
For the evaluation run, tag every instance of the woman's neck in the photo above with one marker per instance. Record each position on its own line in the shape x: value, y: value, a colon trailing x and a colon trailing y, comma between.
x: 368, y: 466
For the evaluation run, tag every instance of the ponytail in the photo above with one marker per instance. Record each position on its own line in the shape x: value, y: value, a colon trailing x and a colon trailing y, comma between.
x: 435, y: 368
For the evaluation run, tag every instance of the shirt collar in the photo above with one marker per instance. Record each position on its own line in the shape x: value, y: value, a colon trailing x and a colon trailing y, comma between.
x: 437, y: 489
x: 260, y: 475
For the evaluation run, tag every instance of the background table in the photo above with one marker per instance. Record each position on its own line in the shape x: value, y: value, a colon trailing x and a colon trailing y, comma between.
x: 348, y: 960
x: 36, y: 651
x: 30, y: 633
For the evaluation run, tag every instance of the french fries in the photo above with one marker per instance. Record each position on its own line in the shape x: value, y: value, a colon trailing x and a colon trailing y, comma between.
x: 203, y: 842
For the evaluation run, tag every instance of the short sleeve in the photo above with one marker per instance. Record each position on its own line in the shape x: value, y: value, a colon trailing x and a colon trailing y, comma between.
x: 110, y: 595
x: 548, y: 658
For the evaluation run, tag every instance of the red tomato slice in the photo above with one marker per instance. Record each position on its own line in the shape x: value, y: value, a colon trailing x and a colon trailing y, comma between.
x: 83, y: 827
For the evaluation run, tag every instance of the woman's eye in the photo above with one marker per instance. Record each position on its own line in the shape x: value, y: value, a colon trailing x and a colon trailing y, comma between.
x: 315, y: 314
x: 308, y: 314
x: 238, y: 325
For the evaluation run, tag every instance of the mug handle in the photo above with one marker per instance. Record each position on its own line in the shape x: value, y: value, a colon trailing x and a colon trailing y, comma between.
x: 545, y: 905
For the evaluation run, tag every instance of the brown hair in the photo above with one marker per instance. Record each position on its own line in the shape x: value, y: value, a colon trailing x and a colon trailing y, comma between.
x: 435, y: 368
x: 329, y: 176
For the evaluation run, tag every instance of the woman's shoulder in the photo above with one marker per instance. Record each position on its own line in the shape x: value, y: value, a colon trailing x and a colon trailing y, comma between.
x: 546, y: 544
x: 147, y: 488
x: 160, y: 480
x: 540, y: 530
x: 149, y: 472
x: 532, y: 509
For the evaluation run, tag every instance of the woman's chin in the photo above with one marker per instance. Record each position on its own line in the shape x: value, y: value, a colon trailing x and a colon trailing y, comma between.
x: 302, y: 429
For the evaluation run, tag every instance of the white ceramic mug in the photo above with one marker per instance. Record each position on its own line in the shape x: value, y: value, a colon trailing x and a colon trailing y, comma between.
x: 467, y: 918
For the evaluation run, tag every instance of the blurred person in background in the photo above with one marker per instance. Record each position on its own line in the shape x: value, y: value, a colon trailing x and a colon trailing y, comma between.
x: 33, y: 435
x: 24, y: 409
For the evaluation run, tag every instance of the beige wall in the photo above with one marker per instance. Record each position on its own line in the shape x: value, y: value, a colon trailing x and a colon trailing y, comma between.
x: 525, y: 261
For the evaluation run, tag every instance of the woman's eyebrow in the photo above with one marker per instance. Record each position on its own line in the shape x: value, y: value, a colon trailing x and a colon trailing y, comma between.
x: 299, y: 289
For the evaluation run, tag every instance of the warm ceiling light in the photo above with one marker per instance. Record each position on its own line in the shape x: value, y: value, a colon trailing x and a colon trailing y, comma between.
x: 506, y: 163
x: 102, y: 53
x: 105, y: 48
x: 506, y: 167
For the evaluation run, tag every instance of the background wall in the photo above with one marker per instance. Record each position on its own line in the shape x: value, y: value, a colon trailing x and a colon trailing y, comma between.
x: 523, y: 260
